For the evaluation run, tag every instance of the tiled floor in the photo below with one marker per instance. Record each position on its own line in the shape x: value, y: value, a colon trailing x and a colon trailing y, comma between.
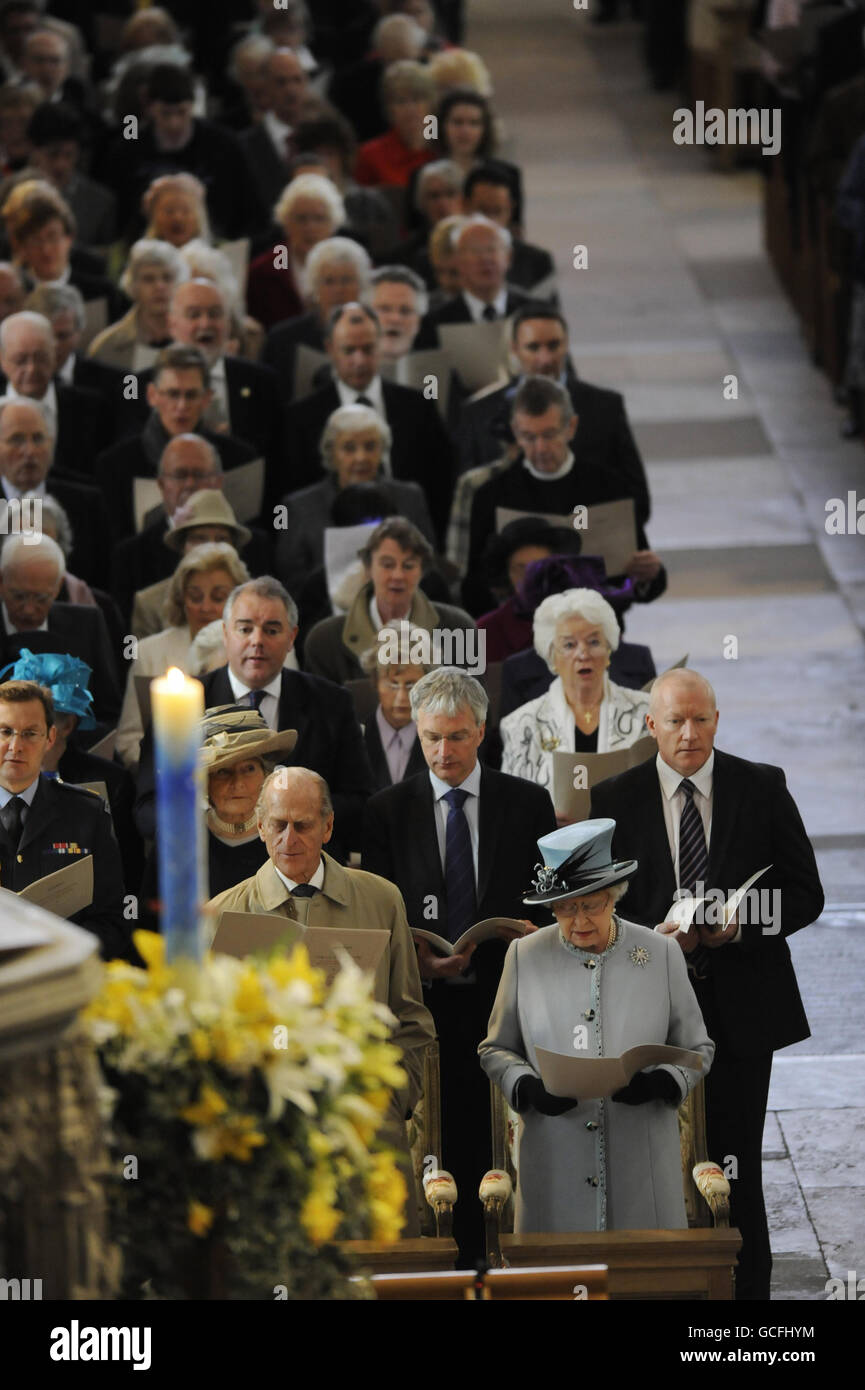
x: 676, y: 296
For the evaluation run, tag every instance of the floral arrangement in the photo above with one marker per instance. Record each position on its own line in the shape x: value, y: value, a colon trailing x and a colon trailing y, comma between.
x: 245, y: 1102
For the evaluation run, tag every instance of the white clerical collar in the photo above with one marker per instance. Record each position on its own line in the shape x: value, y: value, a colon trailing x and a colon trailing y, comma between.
x: 477, y: 306
x: 239, y: 690
x: 27, y: 795
x: 348, y: 394
x: 472, y: 784
x: 12, y: 493
x: 49, y: 400
x: 671, y: 780
x: 550, y: 477
x: 317, y: 880
x: 10, y: 629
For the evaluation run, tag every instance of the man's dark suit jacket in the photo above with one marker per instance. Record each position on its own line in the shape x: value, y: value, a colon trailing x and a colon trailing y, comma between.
x: 268, y: 169
x: 69, y: 816
x: 750, y: 999
x: 400, y: 843
x: 421, y: 451
x: 282, y: 342
x: 456, y: 310
x: 525, y: 675
x: 80, y: 630
x: 93, y: 375
x: 144, y: 559
x: 378, y: 760
x: 83, y: 427
x: 116, y: 467
x: 329, y: 741
x: 603, y: 432
x: 88, y: 517
x: 78, y: 765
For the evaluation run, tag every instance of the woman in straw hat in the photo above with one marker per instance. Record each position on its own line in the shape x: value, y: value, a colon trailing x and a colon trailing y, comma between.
x: 238, y: 751
x: 594, y: 985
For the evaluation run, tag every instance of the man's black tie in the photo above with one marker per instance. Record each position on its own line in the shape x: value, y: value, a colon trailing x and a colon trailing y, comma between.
x: 459, y: 866
x: 693, y: 865
x: 693, y: 855
x: 489, y: 314
x: 12, y: 816
x: 365, y: 400
x: 254, y: 698
x: 303, y: 890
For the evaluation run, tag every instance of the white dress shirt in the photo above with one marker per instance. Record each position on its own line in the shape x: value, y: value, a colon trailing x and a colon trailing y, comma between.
x: 349, y: 396
x: 472, y: 785
x: 476, y: 306
x: 269, y: 708
x: 317, y: 880
x: 673, y: 800
x: 278, y: 132
x: 49, y: 400
x: 12, y: 493
x: 67, y: 371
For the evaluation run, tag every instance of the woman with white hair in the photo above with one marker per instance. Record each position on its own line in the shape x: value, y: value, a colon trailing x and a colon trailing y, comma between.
x: 338, y: 272
x: 583, y: 711
x: 152, y: 271
x: 355, y: 448
x: 309, y: 210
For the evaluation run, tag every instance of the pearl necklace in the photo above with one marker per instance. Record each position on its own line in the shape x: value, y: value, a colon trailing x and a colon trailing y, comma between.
x: 224, y: 827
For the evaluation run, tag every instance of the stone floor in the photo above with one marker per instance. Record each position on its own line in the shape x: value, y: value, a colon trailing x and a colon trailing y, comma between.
x: 676, y: 297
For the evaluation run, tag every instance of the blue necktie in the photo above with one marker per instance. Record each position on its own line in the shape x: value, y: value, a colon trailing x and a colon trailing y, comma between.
x: 459, y: 866
x: 254, y: 698
x: 693, y: 855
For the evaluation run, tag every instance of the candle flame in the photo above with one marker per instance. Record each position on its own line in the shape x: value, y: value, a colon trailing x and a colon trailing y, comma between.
x: 174, y: 679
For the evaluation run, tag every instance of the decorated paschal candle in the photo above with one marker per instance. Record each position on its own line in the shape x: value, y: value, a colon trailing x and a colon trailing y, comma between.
x: 178, y: 705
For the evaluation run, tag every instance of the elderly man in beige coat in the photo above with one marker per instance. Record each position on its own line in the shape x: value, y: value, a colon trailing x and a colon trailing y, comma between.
x: 300, y: 881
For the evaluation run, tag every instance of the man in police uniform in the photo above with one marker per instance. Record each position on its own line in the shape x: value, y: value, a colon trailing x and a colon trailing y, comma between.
x: 46, y: 825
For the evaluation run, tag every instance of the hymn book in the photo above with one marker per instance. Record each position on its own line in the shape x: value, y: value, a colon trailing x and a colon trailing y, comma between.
x: 245, y: 933
x: 590, y: 1078
x: 481, y: 931
x: 715, y: 917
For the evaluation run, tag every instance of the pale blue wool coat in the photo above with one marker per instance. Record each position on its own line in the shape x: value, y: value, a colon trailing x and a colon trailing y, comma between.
x: 604, y: 1165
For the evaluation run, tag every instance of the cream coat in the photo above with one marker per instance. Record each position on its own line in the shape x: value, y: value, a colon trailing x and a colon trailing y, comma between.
x: 532, y: 733
x: 604, y: 1165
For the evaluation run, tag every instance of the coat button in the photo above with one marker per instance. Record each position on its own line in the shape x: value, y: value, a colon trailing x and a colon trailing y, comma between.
x: 593, y: 1182
x: 591, y: 1124
x: 589, y: 1014
x: 20, y: 858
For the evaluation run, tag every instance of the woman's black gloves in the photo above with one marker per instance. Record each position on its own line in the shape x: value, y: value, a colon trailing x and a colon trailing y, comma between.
x: 650, y: 1085
x: 530, y: 1093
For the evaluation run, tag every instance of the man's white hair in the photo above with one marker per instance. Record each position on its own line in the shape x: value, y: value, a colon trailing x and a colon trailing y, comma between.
x: 573, y: 603
x: 30, y: 404
x: 17, y: 548
x: 477, y: 219
x: 448, y: 690
x: 25, y: 318
x: 338, y: 250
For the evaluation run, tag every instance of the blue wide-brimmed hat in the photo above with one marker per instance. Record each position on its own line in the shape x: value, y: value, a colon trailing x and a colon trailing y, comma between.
x: 65, y: 676
x: 577, y: 859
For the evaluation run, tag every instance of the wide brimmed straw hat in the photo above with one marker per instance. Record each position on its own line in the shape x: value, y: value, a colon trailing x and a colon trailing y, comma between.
x: 577, y: 859
x: 233, y: 732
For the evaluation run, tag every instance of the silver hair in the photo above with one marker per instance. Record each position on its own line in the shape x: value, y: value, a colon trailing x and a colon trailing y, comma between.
x: 205, y: 262
x: 263, y: 587
x: 618, y: 890
x: 150, y: 251
x: 446, y: 169
x: 448, y: 691
x: 311, y: 186
x: 62, y: 525
x: 53, y: 300
x: 324, y: 790
x: 683, y: 673
x: 337, y: 250
x: 477, y: 219
x: 42, y: 410
x: 22, y: 548
x: 253, y: 43
x: 399, y: 275
x: 582, y: 603
x: 347, y: 419
x: 204, y: 444
x: 27, y: 318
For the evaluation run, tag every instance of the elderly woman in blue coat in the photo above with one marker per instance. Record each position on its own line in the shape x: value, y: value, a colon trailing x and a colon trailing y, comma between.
x: 593, y: 978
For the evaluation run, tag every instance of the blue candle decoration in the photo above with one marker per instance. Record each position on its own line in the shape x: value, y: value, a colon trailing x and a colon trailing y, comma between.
x: 178, y: 705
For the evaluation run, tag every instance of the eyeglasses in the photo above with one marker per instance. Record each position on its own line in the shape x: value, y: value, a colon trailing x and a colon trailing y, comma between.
x: 174, y: 396
x: 566, y: 646
x: 31, y: 736
x: 570, y: 912
x: 24, y: 596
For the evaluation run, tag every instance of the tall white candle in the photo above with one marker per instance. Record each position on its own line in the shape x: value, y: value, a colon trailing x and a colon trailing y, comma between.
x: 177, y: 703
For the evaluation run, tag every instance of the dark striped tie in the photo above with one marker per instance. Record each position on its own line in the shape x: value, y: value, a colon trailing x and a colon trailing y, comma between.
x: 693, y: 855
x: 459, y: 866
